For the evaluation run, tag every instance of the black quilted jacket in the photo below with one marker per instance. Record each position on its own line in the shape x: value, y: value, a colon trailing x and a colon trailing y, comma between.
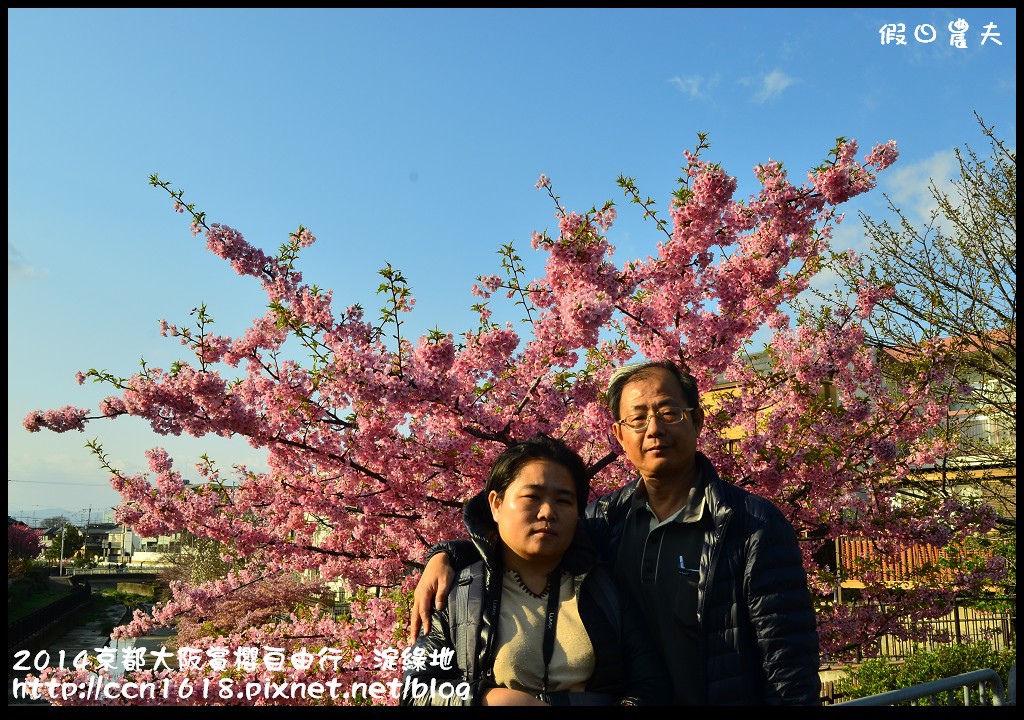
x: 757, y: 628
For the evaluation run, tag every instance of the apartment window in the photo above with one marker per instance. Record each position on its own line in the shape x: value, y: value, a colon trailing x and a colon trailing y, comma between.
x: 986, y: 429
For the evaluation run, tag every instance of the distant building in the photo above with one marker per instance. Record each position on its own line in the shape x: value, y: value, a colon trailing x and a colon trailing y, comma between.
x: 154, y: 550
x: 109, y: 543
x: 105, y: 543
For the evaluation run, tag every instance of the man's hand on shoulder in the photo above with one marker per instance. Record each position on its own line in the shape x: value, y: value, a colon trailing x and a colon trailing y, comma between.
x: 431, y: 594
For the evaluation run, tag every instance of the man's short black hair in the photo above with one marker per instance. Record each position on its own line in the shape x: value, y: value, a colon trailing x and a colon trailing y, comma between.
x: 626, y: 373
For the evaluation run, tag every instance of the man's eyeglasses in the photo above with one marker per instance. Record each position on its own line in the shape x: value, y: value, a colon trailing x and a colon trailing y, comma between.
x: 669, y: 415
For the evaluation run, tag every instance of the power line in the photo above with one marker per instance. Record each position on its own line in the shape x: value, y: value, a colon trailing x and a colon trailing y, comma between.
x: 78, y: 517
x: 52, y: 482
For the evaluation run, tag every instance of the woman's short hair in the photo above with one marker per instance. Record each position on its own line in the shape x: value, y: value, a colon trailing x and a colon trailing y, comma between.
x: 539, y: 447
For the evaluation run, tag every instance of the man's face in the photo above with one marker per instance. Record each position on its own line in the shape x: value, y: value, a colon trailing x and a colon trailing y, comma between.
x: 661, y: 450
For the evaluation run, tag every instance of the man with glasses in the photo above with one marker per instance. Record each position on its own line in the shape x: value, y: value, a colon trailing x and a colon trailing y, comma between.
x: 716, y: 569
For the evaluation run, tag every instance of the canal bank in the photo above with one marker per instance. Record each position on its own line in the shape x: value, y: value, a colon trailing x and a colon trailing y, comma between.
x: 88, y: 629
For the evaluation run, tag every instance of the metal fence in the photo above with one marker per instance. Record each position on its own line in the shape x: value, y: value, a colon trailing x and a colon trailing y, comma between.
x: 23, y: 628
x: 962, y: 626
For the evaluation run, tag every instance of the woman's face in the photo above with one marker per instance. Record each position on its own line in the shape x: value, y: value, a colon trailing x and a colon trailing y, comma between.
x: 537, y: 514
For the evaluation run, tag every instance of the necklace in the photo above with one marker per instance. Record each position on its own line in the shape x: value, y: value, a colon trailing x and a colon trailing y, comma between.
x: 531, y: 593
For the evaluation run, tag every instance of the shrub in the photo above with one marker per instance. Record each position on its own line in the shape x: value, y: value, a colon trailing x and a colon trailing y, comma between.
x: 880, y: 675
x: 23, y: 545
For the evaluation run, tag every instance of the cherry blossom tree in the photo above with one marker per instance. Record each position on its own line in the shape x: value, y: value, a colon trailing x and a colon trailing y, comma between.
x: 23, y: 546
x: 374, y: 440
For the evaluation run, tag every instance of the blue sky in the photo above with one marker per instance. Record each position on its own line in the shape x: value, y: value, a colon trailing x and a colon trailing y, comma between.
x: 405, y: 136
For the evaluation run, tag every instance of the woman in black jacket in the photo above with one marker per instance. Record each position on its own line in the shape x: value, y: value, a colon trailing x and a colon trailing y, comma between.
x: 537, y: 621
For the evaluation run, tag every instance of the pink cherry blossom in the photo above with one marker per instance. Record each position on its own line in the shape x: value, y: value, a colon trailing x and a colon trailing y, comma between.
x: 373, y: 443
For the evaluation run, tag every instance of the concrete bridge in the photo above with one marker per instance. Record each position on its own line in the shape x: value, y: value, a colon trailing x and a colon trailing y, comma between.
x: 134, y: 579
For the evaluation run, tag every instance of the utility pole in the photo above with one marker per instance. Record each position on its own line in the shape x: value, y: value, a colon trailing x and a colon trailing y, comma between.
x: 85, y: 550
x: 63, y: 532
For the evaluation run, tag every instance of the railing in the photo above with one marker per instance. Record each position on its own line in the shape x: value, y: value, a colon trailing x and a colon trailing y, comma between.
x: 116, y: 570
x: 987, y: 682
x: 22, y: 629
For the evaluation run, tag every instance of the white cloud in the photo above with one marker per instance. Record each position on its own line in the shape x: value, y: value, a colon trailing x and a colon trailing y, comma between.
x: 18, y: 270
x: 772, y: 85
x: 908, y: 186
x: 694, y: 86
